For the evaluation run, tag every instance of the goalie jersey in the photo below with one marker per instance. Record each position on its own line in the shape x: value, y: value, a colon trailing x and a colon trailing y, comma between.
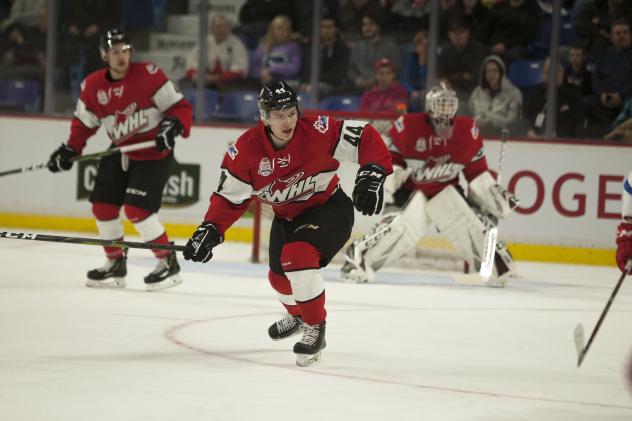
x: 296, y: 178
x: 129, y: 109
x: 435, y: 162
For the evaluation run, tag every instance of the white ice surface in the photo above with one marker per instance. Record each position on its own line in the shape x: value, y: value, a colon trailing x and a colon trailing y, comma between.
x: 410, y: 347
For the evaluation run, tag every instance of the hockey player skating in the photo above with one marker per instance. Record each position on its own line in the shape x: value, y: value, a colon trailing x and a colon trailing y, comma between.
x: 289, y: 161
x: 624, y: 230
x: 134, y: 102
x: 430, y: 150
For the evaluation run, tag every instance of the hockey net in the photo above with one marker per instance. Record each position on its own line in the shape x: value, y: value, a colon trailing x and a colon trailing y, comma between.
x: 434, y: 252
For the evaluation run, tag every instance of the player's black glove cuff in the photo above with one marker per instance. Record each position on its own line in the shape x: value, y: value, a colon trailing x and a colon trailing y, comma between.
x: 61, y: 159
x: 368, y: 193
x: 168, y: 130
x: 199, y: 248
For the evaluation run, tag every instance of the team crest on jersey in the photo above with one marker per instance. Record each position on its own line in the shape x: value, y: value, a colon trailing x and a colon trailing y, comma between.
x: 420, y: 146
x: 474, y: 131
x: 128, y: 122
x: 399, y: 124
x: 287, y: 190
x: 102, y: 97
x: 232, y: 151
x: 265, y: 167
x: 322, y: 123
x: 152, y: 68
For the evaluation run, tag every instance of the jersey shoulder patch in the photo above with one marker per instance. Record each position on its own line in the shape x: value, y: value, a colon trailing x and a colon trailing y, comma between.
x: 152, y: 68
x: 232, y: 151
x: 322, y: 123
x: 399, y: 124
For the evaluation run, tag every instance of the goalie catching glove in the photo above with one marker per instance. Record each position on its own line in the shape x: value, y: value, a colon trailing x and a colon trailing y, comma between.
x: 490, y: 197
x: 200, y: 246
x: 624, y: 244
x: 61, y: 159
x: 368, y: 193
x: 168, y: 130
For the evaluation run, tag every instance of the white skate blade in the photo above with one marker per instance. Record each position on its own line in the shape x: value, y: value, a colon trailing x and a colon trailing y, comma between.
x: 109, y: 283
x: 170, y: 282
x: 305, y: 360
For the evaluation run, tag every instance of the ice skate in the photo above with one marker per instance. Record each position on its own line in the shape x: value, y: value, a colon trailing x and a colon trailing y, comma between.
x: 308, y: 350
x: 288, y: 326
x: 166, y: 274
x: 110, y: 275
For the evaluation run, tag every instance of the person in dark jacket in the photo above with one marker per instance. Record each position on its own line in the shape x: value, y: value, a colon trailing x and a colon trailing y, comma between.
x: 570, y: 117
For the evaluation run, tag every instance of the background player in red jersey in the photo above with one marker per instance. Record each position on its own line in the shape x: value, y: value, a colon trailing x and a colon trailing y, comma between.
x: 134, y: 102
x: 430, y: 150
x: 289, y: 161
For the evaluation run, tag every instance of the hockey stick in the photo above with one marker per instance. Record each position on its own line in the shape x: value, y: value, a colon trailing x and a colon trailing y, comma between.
x: 579, y: 329
x: 88, y: 241
x: 79, y: 158
x: 487, y: 265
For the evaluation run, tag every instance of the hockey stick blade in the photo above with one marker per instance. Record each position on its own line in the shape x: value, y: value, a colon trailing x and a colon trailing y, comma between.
x: 487, y: 265
x: 579, y: 343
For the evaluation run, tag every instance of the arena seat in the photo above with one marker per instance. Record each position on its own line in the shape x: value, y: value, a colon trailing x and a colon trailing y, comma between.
x: 20, y: 95
x: 210, y: 101
x: 238, y: 106
x: 340, y: 103
x: 525, y: 73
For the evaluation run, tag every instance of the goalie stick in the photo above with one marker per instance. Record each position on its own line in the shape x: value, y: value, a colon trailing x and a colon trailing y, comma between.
x: 97, y: 155
x: 579, y: 329
x: 487, y: 265
x: 88, y: 241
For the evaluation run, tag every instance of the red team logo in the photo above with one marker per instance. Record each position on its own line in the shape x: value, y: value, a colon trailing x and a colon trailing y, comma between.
x: 292, y: 188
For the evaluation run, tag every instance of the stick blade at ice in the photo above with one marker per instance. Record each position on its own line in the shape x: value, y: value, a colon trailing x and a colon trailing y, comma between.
x: 579, y: 343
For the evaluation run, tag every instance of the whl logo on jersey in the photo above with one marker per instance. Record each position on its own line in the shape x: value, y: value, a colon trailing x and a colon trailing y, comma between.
x: 282, y: 191
x: 127, y: 122
x: 436, y: 170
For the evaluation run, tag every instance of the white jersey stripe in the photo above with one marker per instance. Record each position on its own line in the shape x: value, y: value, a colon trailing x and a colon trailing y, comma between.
x: 349, y: 141
x: 627, y: 196
x: 88, y: 118
x: 233, y: 189
x: 166, y: 96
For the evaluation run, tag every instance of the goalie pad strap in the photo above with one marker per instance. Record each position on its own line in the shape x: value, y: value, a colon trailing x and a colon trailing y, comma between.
x: 453, y: 217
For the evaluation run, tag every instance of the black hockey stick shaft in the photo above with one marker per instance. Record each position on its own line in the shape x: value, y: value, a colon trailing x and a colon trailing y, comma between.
x: 582, y: 353
x: 88, y: 157
x: 89, y: 241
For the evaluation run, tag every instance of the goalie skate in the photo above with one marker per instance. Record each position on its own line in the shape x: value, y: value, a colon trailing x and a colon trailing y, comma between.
x: 166, y: 274
x: 308, y: 350
x: 110, y: 275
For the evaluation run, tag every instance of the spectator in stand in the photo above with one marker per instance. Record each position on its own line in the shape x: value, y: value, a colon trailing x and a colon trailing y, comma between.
x: 388, y: 94
x: 334, y: 60
x: 84, y: 21
x: 303, y: 12
x: 19, y: 57
x: 278, y: 56
x: 415, y: 72
x: 409, y: 16
x: 365, y: 52
x: 570, y: 116
x: 255, y: 17
x: 511, y: 27
x: 475, y: 14
x: 226, y: 57
x: 495, y: 103
x: 460, y: 59
x: 350, y: 15
x: 611, y: 81
x: 594, y: 21
x: 576, y: 72
x: 24, y: 12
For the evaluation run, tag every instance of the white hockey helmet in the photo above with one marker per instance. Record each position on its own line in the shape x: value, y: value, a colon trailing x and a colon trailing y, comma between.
x: 442, y: 104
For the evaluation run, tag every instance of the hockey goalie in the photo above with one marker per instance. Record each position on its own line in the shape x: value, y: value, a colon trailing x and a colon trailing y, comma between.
x: 431, y: 150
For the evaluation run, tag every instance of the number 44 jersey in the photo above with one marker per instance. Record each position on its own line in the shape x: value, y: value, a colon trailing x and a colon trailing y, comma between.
x: 296, y: 178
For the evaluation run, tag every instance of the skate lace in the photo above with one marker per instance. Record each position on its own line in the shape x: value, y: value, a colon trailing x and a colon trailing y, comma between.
x: 310, y: 334
x: 286, y: 323
x: 162, y: 265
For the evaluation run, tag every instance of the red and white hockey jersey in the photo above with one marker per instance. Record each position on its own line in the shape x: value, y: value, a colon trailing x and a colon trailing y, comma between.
x: 129, y: 109
x: 296, y: 178
x: 435, y: 161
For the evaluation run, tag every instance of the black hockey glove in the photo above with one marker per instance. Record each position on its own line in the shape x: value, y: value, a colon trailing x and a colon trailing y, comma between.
x: 168, y: 130
x: 199, y: 248
x: 60, y: 160
x: 368, y: 193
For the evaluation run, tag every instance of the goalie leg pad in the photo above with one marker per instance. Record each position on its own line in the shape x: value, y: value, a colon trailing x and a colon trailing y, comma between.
x: 386, y: 242
x: 453, y: 217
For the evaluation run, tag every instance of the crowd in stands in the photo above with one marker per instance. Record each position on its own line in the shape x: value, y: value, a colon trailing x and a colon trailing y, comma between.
x: 377, y: 51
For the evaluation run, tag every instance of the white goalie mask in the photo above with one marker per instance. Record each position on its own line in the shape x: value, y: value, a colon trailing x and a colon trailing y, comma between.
x: 441, y: 104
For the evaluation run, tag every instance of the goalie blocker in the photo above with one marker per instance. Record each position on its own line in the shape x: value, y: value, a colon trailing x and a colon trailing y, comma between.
x: 465, y: 224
